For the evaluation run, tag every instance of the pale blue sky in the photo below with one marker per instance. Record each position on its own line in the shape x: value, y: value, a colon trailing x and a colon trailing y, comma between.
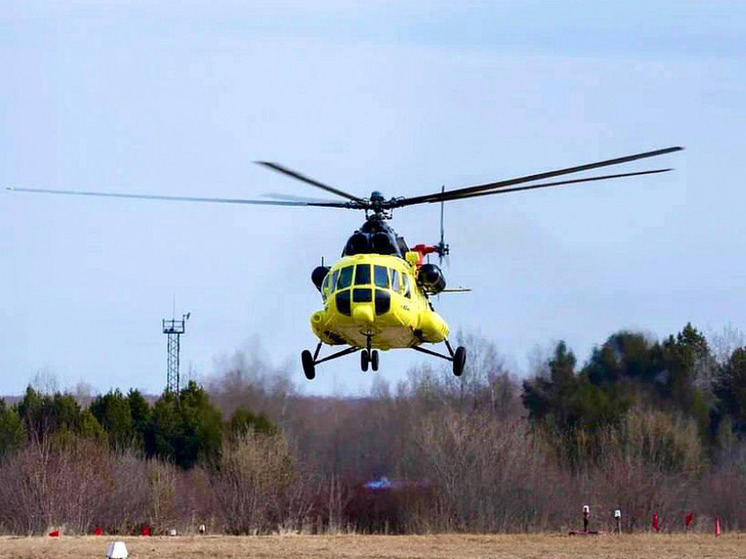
x: 180, y: 98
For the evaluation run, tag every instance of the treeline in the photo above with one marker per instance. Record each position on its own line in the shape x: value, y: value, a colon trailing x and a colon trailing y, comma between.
x: 183, y: 429
x: 678, y: 378
x: 643, y: 425
x: 121, y: 464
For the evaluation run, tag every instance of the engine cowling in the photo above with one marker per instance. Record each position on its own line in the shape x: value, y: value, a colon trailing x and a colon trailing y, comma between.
x: 431, y: 278
x: 359, y: 243
x: 318, y: 275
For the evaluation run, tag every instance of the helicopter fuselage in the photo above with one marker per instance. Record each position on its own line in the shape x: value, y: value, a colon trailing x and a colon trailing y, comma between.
x: 375, y: 299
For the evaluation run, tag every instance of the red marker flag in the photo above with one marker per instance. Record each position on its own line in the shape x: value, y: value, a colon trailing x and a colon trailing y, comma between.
x: 655, y: 522
x: 97, y: 531
x: 718, y: 531
x: 688, y: 520
x: 145, y: 531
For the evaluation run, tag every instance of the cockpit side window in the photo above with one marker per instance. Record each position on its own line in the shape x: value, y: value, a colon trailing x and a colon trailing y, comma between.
x: 333, y: 282
x: 395, y: 285
x: 407, y: 293
x: 325, y: 287
x: 345, y: 278
x: 362, y: 274
x: 381, y: 276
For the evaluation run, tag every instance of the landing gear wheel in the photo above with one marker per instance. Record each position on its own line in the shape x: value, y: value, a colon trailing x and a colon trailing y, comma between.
x: 364, y: 359
x: 309, y: 367
x: 459, y: 360
x: 374, y: 360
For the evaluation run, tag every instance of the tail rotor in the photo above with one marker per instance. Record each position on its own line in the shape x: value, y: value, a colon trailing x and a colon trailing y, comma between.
x: 443, y: 249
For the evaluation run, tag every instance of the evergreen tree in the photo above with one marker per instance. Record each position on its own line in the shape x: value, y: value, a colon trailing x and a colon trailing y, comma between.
x: 112, y: 411
x: 678, y: 359
x: 44, y: 414
x: 11, y: 429
x: 31, y: 411
x: 139, y: 414
x: 730, y: 389
x: 244, y: 421
x: 185, y: 428
x: 625, y: 357
x: 58, y: 416
x: 88, y: 427
x: 554, y: 399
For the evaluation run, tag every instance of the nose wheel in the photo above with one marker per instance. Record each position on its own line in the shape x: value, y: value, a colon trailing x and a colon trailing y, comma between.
x: 364, y: 359
x: 369, y: 358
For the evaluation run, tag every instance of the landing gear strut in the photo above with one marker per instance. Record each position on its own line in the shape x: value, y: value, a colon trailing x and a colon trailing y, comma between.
x: 369, y: 357
x: 458, y: 357
x: 310, y: 361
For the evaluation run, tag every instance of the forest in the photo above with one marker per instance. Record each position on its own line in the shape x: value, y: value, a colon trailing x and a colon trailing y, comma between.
x: 643, y: 425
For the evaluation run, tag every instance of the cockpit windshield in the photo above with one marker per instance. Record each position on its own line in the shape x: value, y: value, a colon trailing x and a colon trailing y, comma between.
x: 381, y: 276
x: 345, y: 277
x: 383, y: 280
x: 362, y: 274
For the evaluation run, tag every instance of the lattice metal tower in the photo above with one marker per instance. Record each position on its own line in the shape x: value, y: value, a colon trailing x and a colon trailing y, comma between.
x: 174, y: 329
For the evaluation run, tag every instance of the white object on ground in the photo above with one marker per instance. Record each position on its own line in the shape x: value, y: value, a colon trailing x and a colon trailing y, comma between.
x: 117, y: 550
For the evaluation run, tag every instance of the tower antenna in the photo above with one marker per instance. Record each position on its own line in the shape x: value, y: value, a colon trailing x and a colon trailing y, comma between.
x: 174, y: 329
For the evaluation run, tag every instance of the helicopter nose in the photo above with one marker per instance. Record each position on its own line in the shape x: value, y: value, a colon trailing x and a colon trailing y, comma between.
x: 363, y: 314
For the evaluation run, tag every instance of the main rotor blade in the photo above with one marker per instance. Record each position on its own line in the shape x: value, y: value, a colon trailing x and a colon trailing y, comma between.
x: 180, y: 198
x: 530, y: 178
x: 293, y: 198
x: 284, y: 170
x: 558, y: 183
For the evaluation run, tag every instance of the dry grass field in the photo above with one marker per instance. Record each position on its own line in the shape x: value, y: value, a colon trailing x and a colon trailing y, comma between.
x: 380, y: 547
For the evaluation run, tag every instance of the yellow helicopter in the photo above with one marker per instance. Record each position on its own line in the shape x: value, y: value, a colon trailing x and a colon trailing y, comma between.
x: 377, y: 296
